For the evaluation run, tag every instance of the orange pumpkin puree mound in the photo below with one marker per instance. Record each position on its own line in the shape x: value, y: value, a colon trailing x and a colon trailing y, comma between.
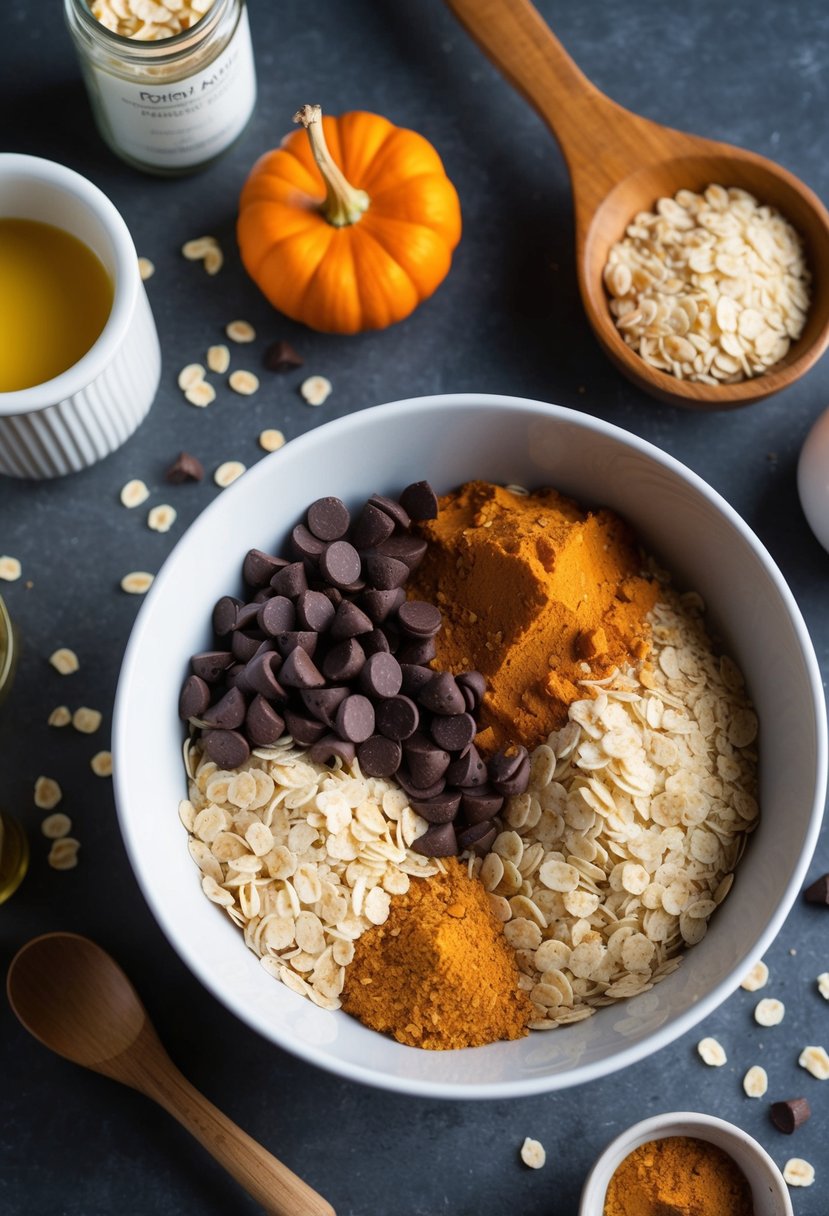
x: 537, y: 594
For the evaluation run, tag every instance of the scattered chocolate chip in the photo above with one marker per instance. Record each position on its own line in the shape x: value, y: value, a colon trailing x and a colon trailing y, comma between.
x: 304, y: 729
x: 420, y: 501
x: 291, y: 580
x: 453, y: 732
x: 340, y: 563
x: 379, y: 757
x: 210, y: 665
x: 224, y: 615
x: 350, y: 621
x: 438, y: 840
x: 328, y: 518
x: 393, y: 509
x: 373, y: 526
x: 194, y: 698
x: 227, y: 748
x: 420, y: 619
x: 789, y: 1115
x: 184, y: 468
x: 314, y: 611
x: 397, y: 717
x: 442, y: 695
x: 277, y: 615
x: 262, y: 723
x: 442, y: 808
x: 818, y: 892
x: 355, y: 719
x: 384, y: 573
x: 331, y: 747
x: 227, y: 713
x: 344, y: 661
x: 280, y: 356
x: 300, y: 671
x: 305, y: 544
x: 258, y: 568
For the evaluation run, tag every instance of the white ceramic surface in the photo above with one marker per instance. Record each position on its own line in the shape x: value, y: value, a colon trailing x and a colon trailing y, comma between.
x: 75, y: 419
x: 449, y: 440
x: 813, y: 479
x: 769, y: 1193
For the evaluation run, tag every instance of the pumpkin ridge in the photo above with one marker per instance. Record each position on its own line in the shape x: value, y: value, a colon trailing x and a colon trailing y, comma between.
x: 367, y: 170
x: 367, y: 234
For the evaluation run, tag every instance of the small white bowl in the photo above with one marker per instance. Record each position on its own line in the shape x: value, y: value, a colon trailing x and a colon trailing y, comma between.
x: 73, y: 420
x: 769, y: 1193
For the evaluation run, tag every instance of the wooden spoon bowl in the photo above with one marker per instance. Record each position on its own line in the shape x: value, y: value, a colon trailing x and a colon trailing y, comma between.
x: 621, y: 163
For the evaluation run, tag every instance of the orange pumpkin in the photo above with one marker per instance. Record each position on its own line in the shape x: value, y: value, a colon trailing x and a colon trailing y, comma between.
x: 353, y: 240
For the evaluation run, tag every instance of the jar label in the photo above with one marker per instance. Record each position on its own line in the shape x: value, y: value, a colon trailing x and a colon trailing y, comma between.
x: 181, y: 123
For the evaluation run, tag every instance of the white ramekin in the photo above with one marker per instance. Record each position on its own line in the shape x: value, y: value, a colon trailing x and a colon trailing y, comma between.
x: 769, y: 1193
x: 80, y: 416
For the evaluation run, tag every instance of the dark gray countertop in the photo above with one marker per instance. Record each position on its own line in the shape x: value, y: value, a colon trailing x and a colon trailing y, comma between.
x: 507, y: 319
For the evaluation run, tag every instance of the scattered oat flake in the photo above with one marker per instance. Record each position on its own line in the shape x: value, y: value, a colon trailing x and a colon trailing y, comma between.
x: 64, y: 660
x: 101, y: 764
x: 711, y: 1052
x: 198, y: 248
x: 240, y: 331
x: 146, y: 269
x: 769, y: 1012
x: 138, y: 582
x: 315, y: 389
x: 214, y: 260
x: 161, y: 518
x: 755, y: 1082
x: 756, y: 978
x: 47, y: 793
x: 243, y: 382
x: 61, y: 715
x: 533, y: 1153
x: 823, y: 985
x: 134, y: 493
x: 218, y: 359
x: 228, y: 472
x: 63, y: 854
x: 55, y: 826
x: 798, y: 1172
x: 10, y: 569
x: 816, y: 1061
x: 191, y: 374
x: 86, y: 720
x: 200, y: 394
x: 271, y: 440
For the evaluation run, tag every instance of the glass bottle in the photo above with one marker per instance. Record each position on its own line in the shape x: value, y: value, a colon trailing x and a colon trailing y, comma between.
x: 173, y: 105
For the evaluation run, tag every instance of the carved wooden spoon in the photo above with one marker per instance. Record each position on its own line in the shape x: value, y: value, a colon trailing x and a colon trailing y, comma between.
x: 621, y: 163
x: 73, y: 997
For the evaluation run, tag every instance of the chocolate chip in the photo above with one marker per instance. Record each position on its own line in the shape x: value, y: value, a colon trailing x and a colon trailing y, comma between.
x: 224, y: 615
x: 442, y: 695
x: 384, y: 573
x: 305, y: 639
x: 227, y: 713
x: 426, y: 762
x: 420, y: 501
x: 453, y: 732
x: 344, y: 661
x: 328, y: 518
x: 314, y: 611
x: 397, y: 717
x: 330, y: 747
x: 473, y: 686
x: 184, y: 468
x: 381, y: 675
x: 211, y: 665
x: 509, y: 771
x: 480, y: 804
x: 373, y: 526
x: 258, y: 568
x: 789, y: 1115
x: 227, y: 748
x: 300, y: 671
x: 380, y: 605
x: 375, y: 642
x: 323, y: 703
x: 419, y: 653
x: 350, y: 621
x: 818, y: 892
x: 438, y: 840
x: 440, y: 809
x: 340, y: 564
x: 235, y: 675
x: 291, y: 580
x: 277, y: 615
x: 194, y: 698
x: 415, y: 678
x: 391, y: 508
x: 355, y: 718
x: 419, y: 619
x: 280, y: 356
x: 467, y: 770
x: 247, y: 617
x: 260, y: 676
x: 404, y: 780
x: 303, y: 729
x: 379, y: 757
x: 480, y: 838
x: 262, y: 723
x: 305, y: 544
x: 407, y: 549
x: 264, y: 593
x: 245, y: 645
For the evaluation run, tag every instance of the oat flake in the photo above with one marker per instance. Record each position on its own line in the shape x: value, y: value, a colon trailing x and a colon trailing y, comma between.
x: 533, y: 1153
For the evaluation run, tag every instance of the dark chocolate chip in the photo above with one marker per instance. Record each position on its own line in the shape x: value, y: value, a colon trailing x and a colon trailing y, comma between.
x: 438, y: 840
x: 789, y: 1115
x: 331, y: 747
x: 227, y: 748
x: 397, y: 717
x: 420, y: 501
x: 304, y: 729
x: 373, y: 526
x: 258, y: 568
x: 334, y: 594
x: 247, y: 617
x: 350, y: 621
x: 228, y: 712
x: 404, y: 780
x: 382, y: 604
x: 381, y: 675
x: 235, y: 675
x: 300, y: 671
x: 480, y: 804
x: 306, y: 639
x: 290, y: 580
x: 280, y: 356
x: 480, y: 838
x: 314, y: 611
x: 415, y: 677
x: 468, y: 770
x: 304, y: 544
x: 379, y: 757
x: 184, y: 468
x: 376, y: 642
x: 262, y: 723
x: 419, y: 653
x: 442, y: 695
x: 407, y: 549
x: 344, y: 661
x: 224, y: 615
x: 264, y: 593
x: 328, y: 518
x: 210, y: 665
x: 355, y: 718
x: 420, y: 619
x: 340, y: 564
x: 384, y: 573
x: 453, y: 732
x: 277, y: 615
x: 260, y: 676
x: 323, y: 703
x: 391, y: 508
x: 426, y: 762
x: 509, y: 771
x: 440, y: 809
x: 194, y: 698
x: 245, y: 645
x: 818, y: 892
x: 473, y: 686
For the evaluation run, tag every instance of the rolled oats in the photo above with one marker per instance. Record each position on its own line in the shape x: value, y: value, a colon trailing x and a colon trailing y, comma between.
x: 823, y: 985
x: 47, y: 793
x: 146, y: 269
x: 271, y: 440
x: 161, y: 518
x: 228, y: 472
x: 101, y: 764
x: 64, y: 661
x: 240, y: 331
x: 86, y: 720
x: 798, y: 1172
x: 816, y: 1061
x: 755, y: 1082
x: 137, y: 582
x: 55, y: 826
x: 63, y: 854
x: 756, y: 978
x: 200, y: 394
x: 533, y: 1153
x: 243, y: 382
x: 10, y: 569
x: 315, y: 390
x: 61, y: 715
x: 134, y: 493
x: 712, y: 1052
x: 218, y: 359
x: 769, y: 1012
x: 190, y: 375
x: 198, y: 248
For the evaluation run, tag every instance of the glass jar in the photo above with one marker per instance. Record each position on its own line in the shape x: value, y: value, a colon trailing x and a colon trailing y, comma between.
x: 14, y: 846
x: 173, y: 105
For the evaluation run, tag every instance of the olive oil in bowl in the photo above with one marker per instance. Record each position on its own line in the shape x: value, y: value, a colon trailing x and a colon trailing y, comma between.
x: 55, y: 298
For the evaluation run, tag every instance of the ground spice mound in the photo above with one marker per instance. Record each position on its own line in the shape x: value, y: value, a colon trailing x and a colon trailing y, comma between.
x: 678, y: 1176
x: 537, y: 594
x: 439, y: 973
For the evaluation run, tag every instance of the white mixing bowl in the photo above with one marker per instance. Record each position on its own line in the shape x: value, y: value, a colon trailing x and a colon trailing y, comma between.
x: 449, y: 440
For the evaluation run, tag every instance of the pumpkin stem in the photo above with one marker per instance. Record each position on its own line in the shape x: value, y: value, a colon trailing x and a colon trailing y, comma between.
x: 343, y: 204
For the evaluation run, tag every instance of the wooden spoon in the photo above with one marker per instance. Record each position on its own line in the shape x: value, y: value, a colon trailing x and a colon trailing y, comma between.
x: 621, y: 163
x: 72, y: 996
